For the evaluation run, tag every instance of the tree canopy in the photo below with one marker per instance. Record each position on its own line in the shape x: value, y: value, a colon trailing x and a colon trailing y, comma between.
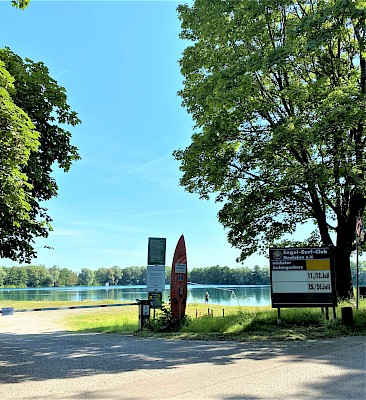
x: 277, y: 92
x: 18, y: 139
x: 22, y: 4
x: 43, y: 104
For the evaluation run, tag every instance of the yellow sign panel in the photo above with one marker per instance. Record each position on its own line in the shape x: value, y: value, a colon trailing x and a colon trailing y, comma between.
x: 318, y: 264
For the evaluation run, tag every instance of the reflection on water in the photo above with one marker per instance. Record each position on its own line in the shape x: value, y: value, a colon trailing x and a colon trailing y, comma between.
x: 219, y: 294
x: 231, y: 295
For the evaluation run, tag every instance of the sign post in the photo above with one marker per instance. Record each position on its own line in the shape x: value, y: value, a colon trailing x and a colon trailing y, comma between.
x: 360, y: 233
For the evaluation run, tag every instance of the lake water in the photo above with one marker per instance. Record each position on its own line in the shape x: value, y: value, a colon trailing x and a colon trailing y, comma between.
x: 242, y: 295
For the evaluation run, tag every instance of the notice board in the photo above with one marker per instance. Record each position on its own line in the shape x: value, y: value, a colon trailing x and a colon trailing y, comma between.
x: 156, y: 251
x: 302, y: 277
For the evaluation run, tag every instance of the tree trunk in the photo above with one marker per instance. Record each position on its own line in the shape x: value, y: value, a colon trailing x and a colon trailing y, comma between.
x: 343, y: 274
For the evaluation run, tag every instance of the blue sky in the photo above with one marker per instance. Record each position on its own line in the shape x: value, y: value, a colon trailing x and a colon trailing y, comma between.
x: 119, y: 64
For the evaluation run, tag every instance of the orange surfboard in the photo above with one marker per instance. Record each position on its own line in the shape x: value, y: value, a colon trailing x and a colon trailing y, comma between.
x: 179, y: 280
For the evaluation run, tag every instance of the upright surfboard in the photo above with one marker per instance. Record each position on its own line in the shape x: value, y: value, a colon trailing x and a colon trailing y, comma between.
x: 179, y: 280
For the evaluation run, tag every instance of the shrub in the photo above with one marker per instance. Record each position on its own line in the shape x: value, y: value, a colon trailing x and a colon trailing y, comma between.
x: 165, y: 321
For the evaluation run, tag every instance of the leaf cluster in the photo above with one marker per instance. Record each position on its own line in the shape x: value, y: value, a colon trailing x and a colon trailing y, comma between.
x: 39, y: 105
x: 18, y: 140
x: 165, y: 322
x: 277, y: 92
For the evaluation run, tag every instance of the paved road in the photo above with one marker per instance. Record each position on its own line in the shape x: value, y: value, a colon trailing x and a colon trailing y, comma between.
x: 43, y: 363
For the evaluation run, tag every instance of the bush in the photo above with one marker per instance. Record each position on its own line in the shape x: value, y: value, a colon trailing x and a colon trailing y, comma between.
x: 165, y: 321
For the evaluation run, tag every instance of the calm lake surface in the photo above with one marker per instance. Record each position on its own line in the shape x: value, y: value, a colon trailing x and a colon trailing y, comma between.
x: 242, y: 295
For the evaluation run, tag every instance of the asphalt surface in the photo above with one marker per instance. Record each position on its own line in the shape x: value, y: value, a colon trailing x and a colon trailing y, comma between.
x: 37, y: 361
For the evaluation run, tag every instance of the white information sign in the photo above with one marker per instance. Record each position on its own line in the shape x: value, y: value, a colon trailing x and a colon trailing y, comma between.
x: 181, y: 268
x: 155, y: 278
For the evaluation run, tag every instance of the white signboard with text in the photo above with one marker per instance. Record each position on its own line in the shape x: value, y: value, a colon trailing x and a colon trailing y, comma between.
x: 302, y: 277
x: 155, y: 278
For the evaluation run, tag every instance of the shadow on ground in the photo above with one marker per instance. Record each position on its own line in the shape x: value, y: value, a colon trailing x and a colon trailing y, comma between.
x: 38, y: 357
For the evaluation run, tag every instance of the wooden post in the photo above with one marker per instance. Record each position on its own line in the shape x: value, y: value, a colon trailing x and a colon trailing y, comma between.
x: 278, y: 316
x: 223, y: 312
x: 347, y: 316
x: 327, y: 313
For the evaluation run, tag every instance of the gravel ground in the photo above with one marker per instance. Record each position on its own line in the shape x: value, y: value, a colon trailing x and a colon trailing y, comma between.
x: 24, y: 323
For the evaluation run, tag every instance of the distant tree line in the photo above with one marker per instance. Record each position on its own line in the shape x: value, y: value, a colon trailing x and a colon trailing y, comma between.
x: 40, y: 276
x: 217, y: 275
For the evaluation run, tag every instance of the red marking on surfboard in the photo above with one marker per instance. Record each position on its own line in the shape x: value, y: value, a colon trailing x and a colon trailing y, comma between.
x: 179, y: 280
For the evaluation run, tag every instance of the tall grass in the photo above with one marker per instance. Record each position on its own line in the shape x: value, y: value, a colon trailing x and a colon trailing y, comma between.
x: 260, y: 323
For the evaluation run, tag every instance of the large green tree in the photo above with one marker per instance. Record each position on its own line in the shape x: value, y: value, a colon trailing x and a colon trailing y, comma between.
x: 45, y: 102
x: 277, y: 92
x: 18, y: 140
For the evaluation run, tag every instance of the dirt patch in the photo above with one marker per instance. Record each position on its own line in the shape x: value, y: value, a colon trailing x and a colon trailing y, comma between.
x: 34, y: 322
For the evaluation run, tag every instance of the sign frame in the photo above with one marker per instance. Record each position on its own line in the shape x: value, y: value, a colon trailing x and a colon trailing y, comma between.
x: 156, y: 251
x: 302, y: 277
x: 156, y: 299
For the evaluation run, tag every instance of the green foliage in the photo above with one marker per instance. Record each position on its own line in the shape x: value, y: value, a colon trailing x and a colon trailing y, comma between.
x: 165, y: 321
x: 2, y: 276
x: 67, y: 278
x: 35, y: 102
x: 112, y: 276
x: 22, y: 4
x: 86, y: 277
x: 16, y: 277
x: 38, y: 275
x: 260, y: 323
x: 133, y: 276
x: 17, y: 141
x: 230, y: 276
x: 361, y: 273
x: 277, y: 92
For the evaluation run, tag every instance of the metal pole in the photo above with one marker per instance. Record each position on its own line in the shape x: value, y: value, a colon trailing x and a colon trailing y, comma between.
x: 357, y: 274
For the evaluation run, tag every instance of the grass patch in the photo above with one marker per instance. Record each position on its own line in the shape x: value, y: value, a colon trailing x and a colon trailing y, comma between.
x: 106, y: 323
x: 260, y: 323
x: 214, y: 322
x: 21, y: 304
x: 105, y: 320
